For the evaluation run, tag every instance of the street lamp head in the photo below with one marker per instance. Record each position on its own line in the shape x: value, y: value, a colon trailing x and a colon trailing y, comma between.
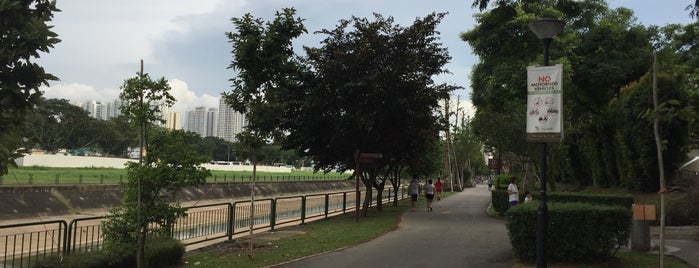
x: 546, y: 28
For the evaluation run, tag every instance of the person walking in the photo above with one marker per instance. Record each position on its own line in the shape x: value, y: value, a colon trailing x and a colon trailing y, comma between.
x: 429, y: 194
x: 438, y: 188
x: 513, y: 192
x: 490, y: 182
x: 414, y: 190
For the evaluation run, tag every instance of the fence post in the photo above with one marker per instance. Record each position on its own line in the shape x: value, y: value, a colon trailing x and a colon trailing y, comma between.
x: 101, y: 178
x: 80, y: 179
x: 121, y: 177
x: 273, y: 217
x: 344, y: 202
x: 68, y: 237
x: 224, y: 177
x: 327, y: 202
x: 303, y: 209
x: 231, y: 221
x: 31, y: 178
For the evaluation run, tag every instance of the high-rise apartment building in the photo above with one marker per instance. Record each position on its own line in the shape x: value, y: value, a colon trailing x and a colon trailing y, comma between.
x: 103, y: 110
x: 211, y: 122
x: 196, y: 120
x: 173, y: 121
x: 230, y: 122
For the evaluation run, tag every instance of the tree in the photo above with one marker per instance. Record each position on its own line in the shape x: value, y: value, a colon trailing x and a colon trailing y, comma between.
x: 597, y: 65
x: 23, y: 34
x: 369, y: 88
x: 694, y: 10
x: 56, y: 124
x: 263, y: 58
x: 143, y: 98
x: 116, y: 135
x: 172, y: 163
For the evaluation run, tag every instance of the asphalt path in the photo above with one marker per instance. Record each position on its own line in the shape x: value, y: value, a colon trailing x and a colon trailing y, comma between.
x: 457, y: 233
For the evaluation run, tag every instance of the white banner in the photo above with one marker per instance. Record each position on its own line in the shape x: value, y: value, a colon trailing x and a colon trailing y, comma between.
x: 545, y: 103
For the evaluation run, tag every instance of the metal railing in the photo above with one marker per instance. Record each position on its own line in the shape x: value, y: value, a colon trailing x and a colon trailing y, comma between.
x: 27, y: 243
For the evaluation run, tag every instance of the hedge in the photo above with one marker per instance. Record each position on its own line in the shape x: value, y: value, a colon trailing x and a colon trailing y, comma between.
x: 499, y: 199
x: 577, y: 232
x: 160, y: 252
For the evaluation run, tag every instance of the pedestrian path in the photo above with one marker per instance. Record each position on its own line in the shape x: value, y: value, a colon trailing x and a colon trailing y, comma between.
x: 457, y: 233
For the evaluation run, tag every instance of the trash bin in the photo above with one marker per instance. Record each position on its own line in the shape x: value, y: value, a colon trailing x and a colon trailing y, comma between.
x: 640, y: 229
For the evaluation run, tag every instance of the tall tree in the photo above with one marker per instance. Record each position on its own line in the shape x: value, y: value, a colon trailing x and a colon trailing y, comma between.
x: 263, y: 57
x: 597, y: 65
x: 23, y: 34
x: 144, y: 99
x: 369, y: 87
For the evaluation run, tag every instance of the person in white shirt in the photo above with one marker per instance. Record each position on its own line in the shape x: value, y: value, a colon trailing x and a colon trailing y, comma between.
x: 414, y: 189
x: 429, y: 194
x: 513, y: 192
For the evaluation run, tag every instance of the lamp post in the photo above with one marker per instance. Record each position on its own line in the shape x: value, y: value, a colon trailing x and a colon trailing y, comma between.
x: 544, y: 29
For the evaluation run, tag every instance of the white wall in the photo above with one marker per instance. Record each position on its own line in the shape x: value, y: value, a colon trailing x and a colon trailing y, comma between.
x: 45, y: 160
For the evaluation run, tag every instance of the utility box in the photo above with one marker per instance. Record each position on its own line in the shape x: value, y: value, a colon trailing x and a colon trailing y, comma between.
x: 640, y: 229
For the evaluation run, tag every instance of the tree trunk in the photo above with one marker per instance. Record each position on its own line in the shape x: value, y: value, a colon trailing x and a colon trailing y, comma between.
x: 367, y: 200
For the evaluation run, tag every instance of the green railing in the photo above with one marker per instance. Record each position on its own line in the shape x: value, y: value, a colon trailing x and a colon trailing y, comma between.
x: 26, y: 243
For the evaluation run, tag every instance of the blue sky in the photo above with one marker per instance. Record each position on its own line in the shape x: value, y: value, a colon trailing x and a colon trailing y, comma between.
x: 184, y: 41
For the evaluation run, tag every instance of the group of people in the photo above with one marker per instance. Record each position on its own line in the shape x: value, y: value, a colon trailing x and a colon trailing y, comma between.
x: 430, y: 191
x: 513, y: 193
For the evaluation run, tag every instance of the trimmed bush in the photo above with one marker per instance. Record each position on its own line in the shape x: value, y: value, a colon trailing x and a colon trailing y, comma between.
x: 577, y: 232
x: 160, y: 252
x: 600, y: 199
x: 499, y: 198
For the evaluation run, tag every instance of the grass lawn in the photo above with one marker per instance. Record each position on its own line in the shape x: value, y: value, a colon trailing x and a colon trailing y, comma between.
x: 316, y: 237
x: 70, y: 176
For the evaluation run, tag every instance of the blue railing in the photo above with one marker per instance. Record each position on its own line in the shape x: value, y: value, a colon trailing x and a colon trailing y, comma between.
x: 26, y: 243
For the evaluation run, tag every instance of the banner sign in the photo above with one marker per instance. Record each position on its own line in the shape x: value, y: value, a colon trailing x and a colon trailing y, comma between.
x: 545, y: 103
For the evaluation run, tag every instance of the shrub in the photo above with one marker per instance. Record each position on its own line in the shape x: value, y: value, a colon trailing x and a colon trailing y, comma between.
x: 577, y: 232
x: 502, y: 181
x: 501, y: 204
x: 600, y: 199
x: 499, y: 198
x: 160, y: 252
x: 684, y: 210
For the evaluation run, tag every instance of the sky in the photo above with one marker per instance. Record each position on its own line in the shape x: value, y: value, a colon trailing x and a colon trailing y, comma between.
x: 103, y: 42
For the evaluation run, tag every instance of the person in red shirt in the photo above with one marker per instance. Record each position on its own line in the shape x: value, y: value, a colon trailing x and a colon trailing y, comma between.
x: 438, y: 188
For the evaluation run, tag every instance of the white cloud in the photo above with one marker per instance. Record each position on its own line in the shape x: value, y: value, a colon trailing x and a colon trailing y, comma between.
x: 187, y: 99
x: 81, y: 93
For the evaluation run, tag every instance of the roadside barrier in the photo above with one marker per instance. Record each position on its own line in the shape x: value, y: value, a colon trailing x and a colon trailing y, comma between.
x: 24, y: 244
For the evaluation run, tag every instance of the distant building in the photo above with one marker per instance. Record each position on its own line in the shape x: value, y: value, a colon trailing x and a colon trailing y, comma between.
x: 230, y: 122
x: 173, y: 121
x: 211, y: 122
x: 95, y: 109
x: 195, y: 120
x: 103, y: 110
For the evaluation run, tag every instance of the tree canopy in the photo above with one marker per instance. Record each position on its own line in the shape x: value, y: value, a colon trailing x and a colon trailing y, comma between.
x: 603, y: 51
x: 24, y: 33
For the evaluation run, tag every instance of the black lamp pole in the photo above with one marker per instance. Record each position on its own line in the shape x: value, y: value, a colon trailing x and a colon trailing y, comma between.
x: 545, y: 29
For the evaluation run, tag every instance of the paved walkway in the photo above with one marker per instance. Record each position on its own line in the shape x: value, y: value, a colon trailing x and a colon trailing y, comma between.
x: 458, y: 233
